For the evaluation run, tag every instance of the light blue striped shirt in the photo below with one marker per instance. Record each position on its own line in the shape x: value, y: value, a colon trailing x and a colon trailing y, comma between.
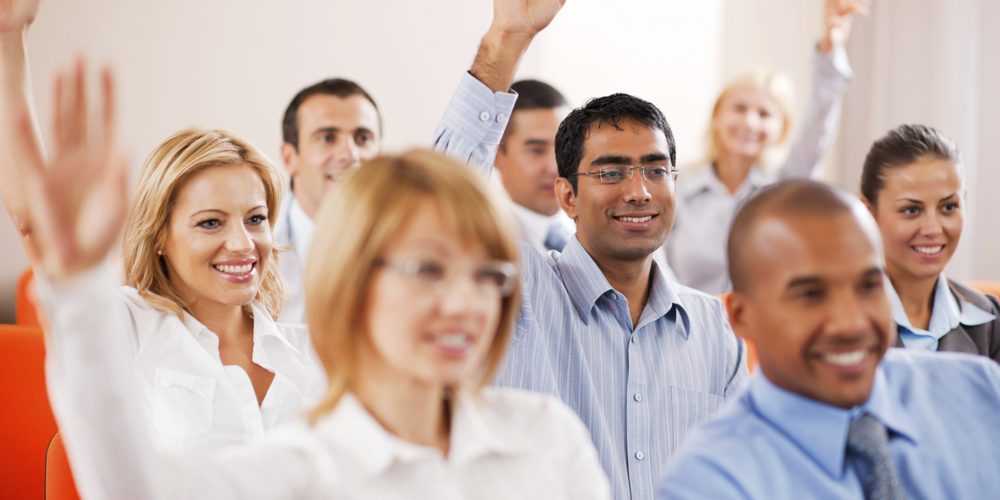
x: 639, y: 390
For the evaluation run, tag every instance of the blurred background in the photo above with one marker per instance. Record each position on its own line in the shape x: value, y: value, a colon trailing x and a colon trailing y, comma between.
x: 235, y: 64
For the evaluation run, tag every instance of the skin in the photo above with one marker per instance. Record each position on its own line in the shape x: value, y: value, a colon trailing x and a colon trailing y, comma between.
x: 527, y: 160
x: 620, y: 248
x: 335, y: 135
x: 811, y: 299
x: 406, y: 367
x: 920, y: 207
x: 747, y: 122
x: 220, y: 218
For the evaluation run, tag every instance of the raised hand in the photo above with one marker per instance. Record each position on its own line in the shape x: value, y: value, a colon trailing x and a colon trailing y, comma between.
x: 17, y: 15
x: 524, y: 17
x: 515, y: 24
x: 838, y: 15
x: 77, y: 200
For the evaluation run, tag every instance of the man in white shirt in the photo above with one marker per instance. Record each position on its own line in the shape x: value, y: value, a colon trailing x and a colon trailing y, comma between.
x: 328, y: 128
x: 526, y: 162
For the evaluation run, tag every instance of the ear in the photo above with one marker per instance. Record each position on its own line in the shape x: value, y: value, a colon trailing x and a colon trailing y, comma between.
x: 566, y: 196
x: 868, y: 205
x: 290, y: 157
x: 739, y: 315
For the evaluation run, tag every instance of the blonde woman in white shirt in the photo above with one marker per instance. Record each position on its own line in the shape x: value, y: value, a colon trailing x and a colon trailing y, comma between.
x: 410, y: 303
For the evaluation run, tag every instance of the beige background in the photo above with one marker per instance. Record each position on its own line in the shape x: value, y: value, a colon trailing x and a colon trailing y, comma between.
x: 234, y: 64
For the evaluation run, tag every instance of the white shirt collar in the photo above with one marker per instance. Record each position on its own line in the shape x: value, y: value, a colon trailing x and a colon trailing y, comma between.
x: 476, y: 432
x: 535, y: 226
x: 947, y: 314
x: 702, y: 179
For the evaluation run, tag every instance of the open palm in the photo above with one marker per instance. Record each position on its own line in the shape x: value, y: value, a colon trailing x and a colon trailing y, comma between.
x: 526, y: 17
x: 78, y: 199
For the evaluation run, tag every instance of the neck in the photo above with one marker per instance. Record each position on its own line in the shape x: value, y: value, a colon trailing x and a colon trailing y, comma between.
x: 916, y: 295
x: 732, y: 170
x: 411, y: 410
x: 308, y: 206
x: 631, y: 279
x: 228, y: 322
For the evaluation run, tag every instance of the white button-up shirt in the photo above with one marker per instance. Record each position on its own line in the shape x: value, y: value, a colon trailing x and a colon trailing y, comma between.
x: 192, y: 400
x: 504, y: 443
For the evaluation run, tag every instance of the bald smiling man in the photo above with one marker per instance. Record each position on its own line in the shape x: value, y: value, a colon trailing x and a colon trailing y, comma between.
x: 834, y: 414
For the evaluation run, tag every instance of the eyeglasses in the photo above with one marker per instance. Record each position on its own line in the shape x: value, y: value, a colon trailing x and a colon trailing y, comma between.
x: 613, y: 174
x: 493, y: 279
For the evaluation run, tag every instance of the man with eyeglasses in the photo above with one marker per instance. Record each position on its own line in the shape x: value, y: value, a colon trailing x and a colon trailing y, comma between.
x: 641, y: 360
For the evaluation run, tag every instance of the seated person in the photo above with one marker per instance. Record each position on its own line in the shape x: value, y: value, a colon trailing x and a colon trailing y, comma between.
x: 834, y: 415
x: 913, y: 184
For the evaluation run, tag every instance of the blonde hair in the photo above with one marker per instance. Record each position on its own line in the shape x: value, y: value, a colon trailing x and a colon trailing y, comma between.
x: 367, y: 210
x: 780, y: 89
x: 168, y: 167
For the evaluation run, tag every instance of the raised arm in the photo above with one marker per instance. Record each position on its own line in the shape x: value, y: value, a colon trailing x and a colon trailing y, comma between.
x: 16, y: 17
x: 831, y: 76
x: 475, y: 119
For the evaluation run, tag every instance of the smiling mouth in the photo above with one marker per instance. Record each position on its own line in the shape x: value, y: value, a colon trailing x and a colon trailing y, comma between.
x: 929, y: 250
x: 241, y: 270
x: 846, y: 359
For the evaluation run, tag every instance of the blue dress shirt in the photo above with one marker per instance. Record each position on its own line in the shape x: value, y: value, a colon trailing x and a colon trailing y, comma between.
x: 946, y: 315
x: 941, y: 410
x: 638, y: 388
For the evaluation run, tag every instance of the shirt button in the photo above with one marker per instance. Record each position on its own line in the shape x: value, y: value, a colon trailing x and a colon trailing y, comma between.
x: 484, y: 116
x: 614, y: 296
x: 633, y: 339
x: 639, y: 455
x: 637, y: 397
x: 501, y: 117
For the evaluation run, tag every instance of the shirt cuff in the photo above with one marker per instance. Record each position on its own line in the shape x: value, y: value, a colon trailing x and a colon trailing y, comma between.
x: 478, y: 113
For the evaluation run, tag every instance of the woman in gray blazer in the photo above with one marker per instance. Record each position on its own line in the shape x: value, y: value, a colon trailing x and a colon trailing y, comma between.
x: 912, y: 182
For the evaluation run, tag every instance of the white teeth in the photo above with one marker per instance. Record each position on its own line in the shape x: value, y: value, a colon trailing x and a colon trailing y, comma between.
x: 845, y: 358
x: 244, y: 269
x: 929, y: 250
x: 636, y: 219
x: 453, y: 340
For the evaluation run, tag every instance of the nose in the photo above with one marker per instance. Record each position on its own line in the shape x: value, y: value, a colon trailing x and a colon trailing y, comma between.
x: 848, y: 315
x: 550, y: 166
x: 460, y: 296
x: 636, y: 190
x: 347, y: 152
x: 930, y: 225
x: 238, y: 240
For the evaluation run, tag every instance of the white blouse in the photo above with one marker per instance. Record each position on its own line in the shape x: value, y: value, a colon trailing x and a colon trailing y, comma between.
x: 505, y: 443
x: 192, y: 400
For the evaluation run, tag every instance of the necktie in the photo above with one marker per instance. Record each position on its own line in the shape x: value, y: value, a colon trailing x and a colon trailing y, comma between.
x: 868, y: 454
x: 556, y: 238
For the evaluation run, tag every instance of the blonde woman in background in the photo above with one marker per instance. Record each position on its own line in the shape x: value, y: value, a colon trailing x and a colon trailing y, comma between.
x: 748, y: 148
x: 410, y: 305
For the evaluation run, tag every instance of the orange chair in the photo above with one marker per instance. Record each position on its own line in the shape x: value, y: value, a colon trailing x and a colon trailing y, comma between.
x: 987, y: 287
x: 25, y: 311
x: 26, y: 424
x: 59, y: 483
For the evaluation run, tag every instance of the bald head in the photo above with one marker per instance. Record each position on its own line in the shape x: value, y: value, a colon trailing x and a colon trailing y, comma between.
x: 789, y: 200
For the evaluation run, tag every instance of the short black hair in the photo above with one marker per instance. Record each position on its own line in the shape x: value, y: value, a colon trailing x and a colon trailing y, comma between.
x: 338, y: 87
x: 531, y: 95
x: 903, y: 145
x: 613, y: 110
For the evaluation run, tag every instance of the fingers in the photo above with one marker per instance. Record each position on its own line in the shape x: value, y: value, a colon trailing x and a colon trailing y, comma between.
x: 70, y: 120
x: 108, y: 122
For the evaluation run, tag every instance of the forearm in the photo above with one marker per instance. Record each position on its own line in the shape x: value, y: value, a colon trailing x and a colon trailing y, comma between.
x: 498, y: 57
x: 15, y: 97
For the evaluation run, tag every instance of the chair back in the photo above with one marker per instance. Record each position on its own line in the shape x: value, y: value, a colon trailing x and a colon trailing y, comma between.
x: 59, y: 483
x: 986, y: 287
x: 26, y: 423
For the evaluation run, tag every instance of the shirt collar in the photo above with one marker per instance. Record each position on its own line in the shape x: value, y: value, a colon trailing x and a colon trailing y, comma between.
x: 799, y: 418
x: 703, y: 180
x: 535, y: 226
x: 300, y: 227
x: 271, y: 349
x: 586, y: 284
x: 947, y: 314
x: 476, y: 432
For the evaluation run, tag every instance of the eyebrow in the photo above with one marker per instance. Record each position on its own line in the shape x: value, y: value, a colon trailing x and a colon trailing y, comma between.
x: 804, y: 281
x: 327, y: 130
x: 655, y: 157
x: 223, y: 212
x: 611, y: 160
x: 911, y: 200
x: 537, y: 142
x: 950, y: 196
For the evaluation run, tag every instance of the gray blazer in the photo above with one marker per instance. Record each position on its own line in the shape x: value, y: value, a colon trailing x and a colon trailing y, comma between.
x: 980, y: 339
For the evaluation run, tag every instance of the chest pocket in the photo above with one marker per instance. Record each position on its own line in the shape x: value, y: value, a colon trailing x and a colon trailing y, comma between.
x: 183, y: 404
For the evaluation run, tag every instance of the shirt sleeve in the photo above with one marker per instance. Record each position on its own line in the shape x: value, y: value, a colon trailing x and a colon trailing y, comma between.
x: 473, y: 124
x: 831, y: 76
x: 97, y: 403
x: 694, y: 477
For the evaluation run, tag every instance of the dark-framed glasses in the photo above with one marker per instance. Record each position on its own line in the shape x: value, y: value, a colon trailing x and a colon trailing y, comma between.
x: 613, y: 174
x: 492, y: 279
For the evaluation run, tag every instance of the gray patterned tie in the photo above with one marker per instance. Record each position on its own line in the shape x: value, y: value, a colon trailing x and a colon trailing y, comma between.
x: 868, y: 454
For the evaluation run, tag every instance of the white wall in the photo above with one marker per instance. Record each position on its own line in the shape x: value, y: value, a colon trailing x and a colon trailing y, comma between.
x: 235, y: 64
